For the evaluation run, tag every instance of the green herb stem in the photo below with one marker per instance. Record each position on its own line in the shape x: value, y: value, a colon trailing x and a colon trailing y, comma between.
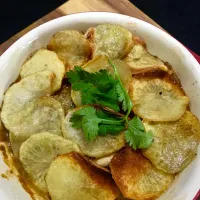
x: 130, y: 105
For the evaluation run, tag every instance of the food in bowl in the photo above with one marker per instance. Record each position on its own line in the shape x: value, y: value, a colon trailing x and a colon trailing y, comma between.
x: 96, y: 116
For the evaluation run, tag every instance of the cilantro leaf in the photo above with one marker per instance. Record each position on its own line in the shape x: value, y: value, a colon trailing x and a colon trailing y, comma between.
x: 121, y: 97
x: 95, y: 88
x: 89, y: 121
x: 95, y: 122
x: 104, y: 129
x: 76, y: 121
x: 74, y: 75
x: 136, y: 122
x: 136, y: 135
x: 90, y: 125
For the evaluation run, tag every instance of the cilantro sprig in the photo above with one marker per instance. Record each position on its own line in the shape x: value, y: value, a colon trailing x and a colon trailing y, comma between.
x: 95, y: 88
x: 103, y: 89
x: 95, y: 122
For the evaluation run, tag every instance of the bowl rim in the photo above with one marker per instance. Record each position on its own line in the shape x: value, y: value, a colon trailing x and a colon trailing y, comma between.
x: 112, y: 14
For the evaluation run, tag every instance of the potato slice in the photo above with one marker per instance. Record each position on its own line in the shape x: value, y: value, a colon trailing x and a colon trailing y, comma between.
x: 44, y: 59
x: 22, y: 93
x: 136, y: 177
x: 71, y: 177
x: 43, y: 114
x: 15, y: 143
x: 140, y: 60
x: 64, y: 97
x: 37, y: 153
x: 100, y: 147
x: 104, y: 162
x: 156, y: 97
x: 76, y: 97
x: 175, y: 143
x: 110, y: 40
x: 72, y: 47
x: 101, y: 63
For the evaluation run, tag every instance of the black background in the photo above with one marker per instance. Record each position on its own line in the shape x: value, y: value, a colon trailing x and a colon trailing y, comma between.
x: 179, y: 17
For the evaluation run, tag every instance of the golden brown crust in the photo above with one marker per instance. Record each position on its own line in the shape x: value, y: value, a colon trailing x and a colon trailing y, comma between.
x: 160, y: 74
x: 140, y: 60
x: 151, y: 69
x: 132, y: 174
x: 72, y: 48
x: 137, y: 40
x: 101, y: 177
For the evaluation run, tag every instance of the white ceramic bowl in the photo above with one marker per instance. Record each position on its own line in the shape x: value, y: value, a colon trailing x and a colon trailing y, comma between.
x: 158, y: 43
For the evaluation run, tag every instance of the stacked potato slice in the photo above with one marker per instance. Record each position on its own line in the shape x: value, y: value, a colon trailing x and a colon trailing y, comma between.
x: 160, y: 101
x: 37, y: 153
x: 72, y: 48
x: 100, y: 147
x: 140, y: 60
x: 157, y: 97
x: 136, y: 177
x: 70, y: 176
x: 113, y: 41
x: 38, y: 108
x: 27, y: 109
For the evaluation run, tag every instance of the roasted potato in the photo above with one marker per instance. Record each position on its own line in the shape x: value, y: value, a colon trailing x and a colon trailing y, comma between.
x: 175, y: 143
x: 156, y: 97
x: 71, y: 177
x: 42, y: 60
x: 111, y: 40
x: 43, y: 114
x: 37, y: 153
x: 23, y: 92
x: 136, y: 177
x: 140, y: 60
x: 72, y: 47
x: 100, y: 147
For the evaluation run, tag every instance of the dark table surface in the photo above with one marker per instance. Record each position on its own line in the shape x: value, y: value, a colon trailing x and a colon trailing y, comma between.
x: 179, y: 17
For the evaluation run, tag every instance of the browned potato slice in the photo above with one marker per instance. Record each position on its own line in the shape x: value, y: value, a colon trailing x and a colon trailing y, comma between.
x: 175, y: 143
x: 110, y: 40
x: 37, y: 153
x: 64, y: 97
x: 71, y: 177
x: 140, y: 60
x: 100, y: 147
x: 72, y: 47
x: 41, y: 60
x: 101, y: 63
x: 156, y: 97
x: 136, y: 177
